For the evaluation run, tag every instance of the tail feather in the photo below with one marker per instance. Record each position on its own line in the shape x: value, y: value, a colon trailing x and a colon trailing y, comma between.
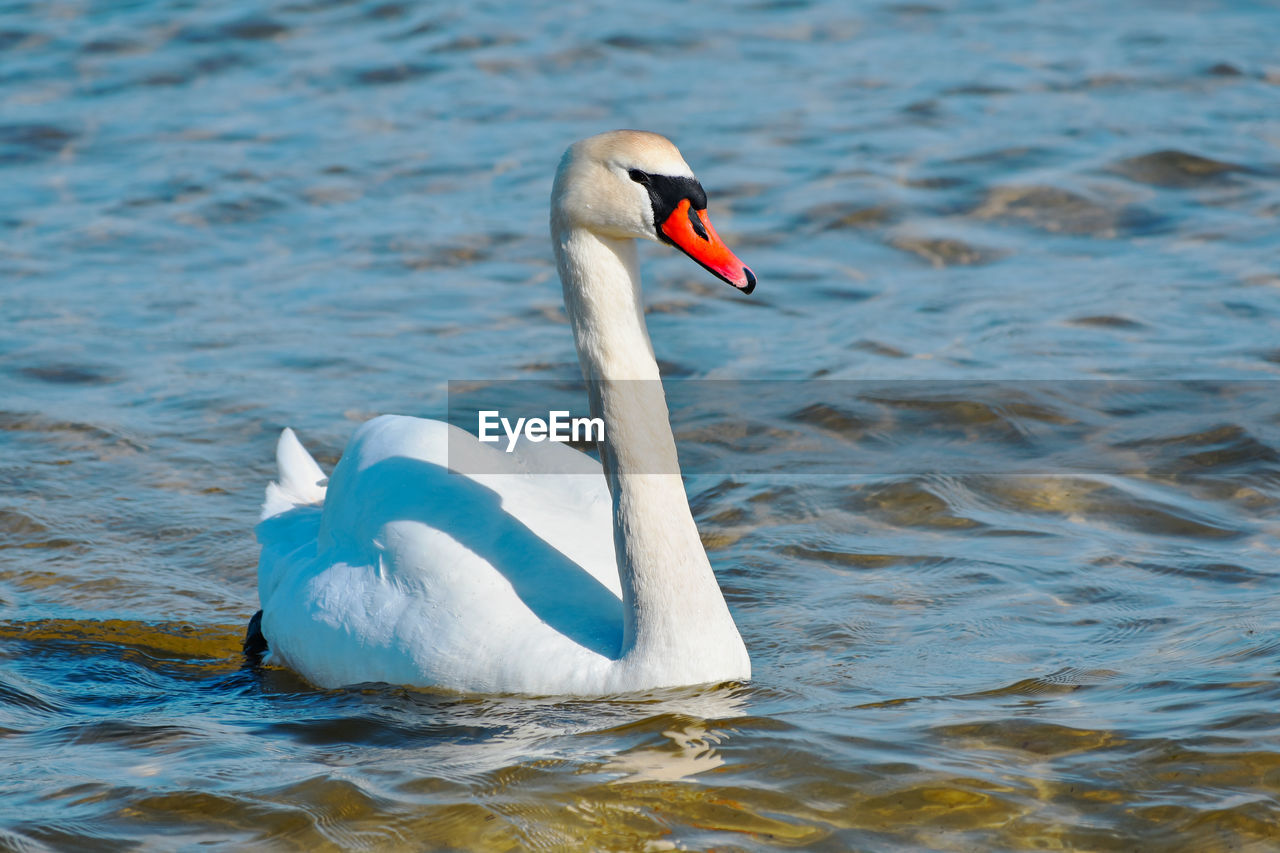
x: 300, y: 482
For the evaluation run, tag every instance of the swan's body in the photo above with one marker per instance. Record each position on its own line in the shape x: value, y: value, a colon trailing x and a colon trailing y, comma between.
x: 547, y: 578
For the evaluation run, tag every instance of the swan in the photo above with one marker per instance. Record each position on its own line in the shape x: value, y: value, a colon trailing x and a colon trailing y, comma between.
x: 556, y: 575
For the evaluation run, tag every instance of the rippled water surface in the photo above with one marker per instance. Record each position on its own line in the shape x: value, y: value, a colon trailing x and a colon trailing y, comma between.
x: 221, y: 218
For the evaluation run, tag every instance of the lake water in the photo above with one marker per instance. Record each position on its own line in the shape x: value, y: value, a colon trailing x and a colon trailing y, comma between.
x: 1033, y: 248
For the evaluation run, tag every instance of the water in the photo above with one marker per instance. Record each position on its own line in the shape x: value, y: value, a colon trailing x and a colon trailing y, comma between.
x: 223, y: 218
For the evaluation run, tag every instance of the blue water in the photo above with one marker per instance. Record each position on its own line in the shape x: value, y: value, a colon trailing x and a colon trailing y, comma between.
x: 219, y: 219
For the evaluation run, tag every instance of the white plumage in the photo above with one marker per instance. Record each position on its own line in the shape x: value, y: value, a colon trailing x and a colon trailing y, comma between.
x: 552, y: 577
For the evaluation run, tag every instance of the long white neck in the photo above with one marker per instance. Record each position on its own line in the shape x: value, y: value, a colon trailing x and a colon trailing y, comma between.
x: 675, y: 617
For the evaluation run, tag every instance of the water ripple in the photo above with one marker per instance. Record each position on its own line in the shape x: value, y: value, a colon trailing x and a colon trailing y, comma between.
x: 1030, y: 613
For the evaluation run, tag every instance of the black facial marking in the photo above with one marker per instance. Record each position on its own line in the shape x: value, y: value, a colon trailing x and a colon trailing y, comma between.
x: 666, y: 193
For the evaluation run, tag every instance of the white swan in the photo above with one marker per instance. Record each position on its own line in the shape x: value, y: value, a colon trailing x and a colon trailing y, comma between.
x: 526, y: 581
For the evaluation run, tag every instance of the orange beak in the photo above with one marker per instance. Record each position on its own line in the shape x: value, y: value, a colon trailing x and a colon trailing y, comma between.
x: 690, y: 231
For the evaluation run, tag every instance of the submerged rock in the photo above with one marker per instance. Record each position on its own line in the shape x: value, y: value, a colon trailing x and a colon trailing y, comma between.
x: 1062, y: 211
x: 946, y: 252
x: 1172, y: 168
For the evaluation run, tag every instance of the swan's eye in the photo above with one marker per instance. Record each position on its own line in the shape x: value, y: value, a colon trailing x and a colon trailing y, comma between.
x: 638, y: 176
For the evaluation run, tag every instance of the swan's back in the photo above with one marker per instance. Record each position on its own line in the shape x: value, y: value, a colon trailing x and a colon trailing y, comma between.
x: 413, y: 573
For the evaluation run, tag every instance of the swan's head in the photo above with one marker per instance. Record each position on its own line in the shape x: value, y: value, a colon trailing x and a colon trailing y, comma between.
x: 629, y: 184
